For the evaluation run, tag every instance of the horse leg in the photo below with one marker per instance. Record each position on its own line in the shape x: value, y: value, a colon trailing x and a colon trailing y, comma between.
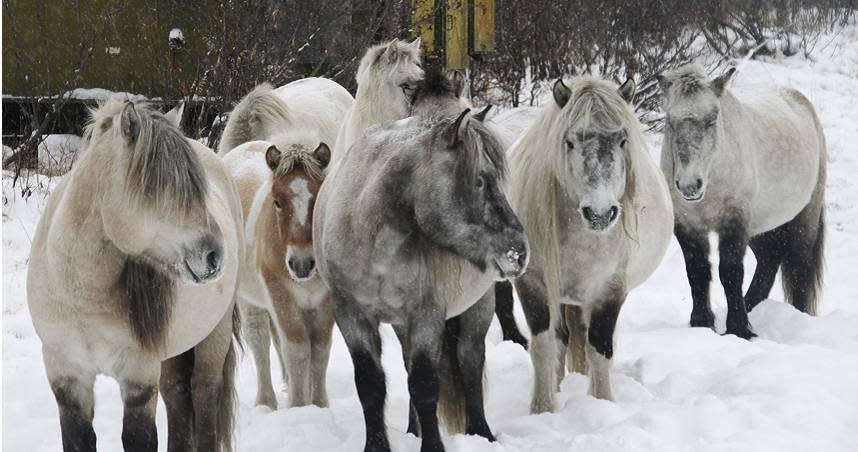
x: 543, y: 350
x: 294, y: 340
x: 504, y: 310
x: 562, y: 342
x: 140, y: 398
x: 425, y: 334
x: 576, y: 359
x: 732, y: 242
x: 278, y: 349
x: 72, y: 388
x: 211, y: 387
x: 322, y: 325
x: 769, y: 249
x: 364, y: 344
x: 402, y: 334
x: 695, y: 250
x: 175, y: 388
x: 600, y: 345
x: 471, y: 354
x: 256, y: 332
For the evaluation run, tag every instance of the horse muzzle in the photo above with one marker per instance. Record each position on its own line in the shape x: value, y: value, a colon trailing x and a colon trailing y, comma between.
x: 205, y: 265
x: 513, y: 263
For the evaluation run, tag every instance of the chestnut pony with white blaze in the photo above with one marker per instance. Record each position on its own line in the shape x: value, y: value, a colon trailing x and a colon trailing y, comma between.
x: 279, y: 169
x: 132, y: 274
x: 599, y: 216
x: 748, y: 164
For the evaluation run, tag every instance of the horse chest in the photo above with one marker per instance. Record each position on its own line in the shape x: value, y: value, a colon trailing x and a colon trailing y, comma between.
x: 590, y: 265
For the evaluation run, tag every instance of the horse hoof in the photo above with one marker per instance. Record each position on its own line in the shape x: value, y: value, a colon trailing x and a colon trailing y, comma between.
x: 706, y: 320
x: 745, y: 332
x: 269, y: 402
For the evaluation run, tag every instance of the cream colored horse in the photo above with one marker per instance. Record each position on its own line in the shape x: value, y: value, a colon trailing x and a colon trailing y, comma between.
x: 599, y: 217
x: 279, y: 176
x: 387, y: 77
x: 134, y: 262
x: 750, y: 165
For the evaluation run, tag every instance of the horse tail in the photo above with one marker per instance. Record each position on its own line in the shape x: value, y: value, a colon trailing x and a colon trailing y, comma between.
x: 576, y: 360
x: 253, y: 117
x: 802, y: 267
x: 451, y: 397
x: 227, y: 402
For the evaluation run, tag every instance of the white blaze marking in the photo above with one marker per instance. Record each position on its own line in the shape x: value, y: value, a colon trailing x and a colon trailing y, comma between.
x: 300, y: 201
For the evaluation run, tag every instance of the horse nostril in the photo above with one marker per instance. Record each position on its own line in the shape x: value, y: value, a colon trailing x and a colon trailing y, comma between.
x: 213, y: 260
x: 588, y: 213
x: 699, y: 183
x: 312, y: 263
x: 614, y: 212
x: 677, y: 185
x: 291, y: 264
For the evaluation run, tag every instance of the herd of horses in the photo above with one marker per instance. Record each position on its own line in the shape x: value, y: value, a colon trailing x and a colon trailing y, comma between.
x: 404, y: 205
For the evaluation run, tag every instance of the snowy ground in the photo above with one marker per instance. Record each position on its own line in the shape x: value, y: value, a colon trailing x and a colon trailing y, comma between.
x: 676, y: 388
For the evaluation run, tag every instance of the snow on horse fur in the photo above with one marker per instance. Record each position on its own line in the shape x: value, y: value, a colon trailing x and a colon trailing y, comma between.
x: 750, y: 165
x: 598, y: 214
x: 141, y: 234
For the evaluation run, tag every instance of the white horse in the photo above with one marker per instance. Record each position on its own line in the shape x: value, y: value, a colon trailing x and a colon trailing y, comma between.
x: 599, y: 217
x: 387, y: 77
x: 134, y: 262
x: 278, y: 179
x: 749, y: 165
x: 511, y: 124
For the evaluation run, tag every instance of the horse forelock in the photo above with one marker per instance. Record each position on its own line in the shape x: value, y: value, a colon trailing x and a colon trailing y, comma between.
x: 479, y: 144
x: 539, y: 162
x: 686, y: 81
x: 298, y: 156
x: 164, y: 172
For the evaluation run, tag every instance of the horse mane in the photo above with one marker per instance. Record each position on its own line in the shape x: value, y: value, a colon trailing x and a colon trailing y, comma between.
x: 595, y: 105
x: 147, y: 295
x: 478, y: 141
x: 164, y: 172
x: 251, y: 117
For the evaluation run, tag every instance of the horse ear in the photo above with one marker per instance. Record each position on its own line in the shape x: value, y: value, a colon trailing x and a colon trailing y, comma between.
x: 175, y: 115
x: 458, y: 80
x: 455, y: 131
x: 323, y: 155
x: 272, y: 157
x: 390, y: 52
x: 416, y: 43
x: 130, y: 123
x: 720, y: 82
x: 561, y: 93
x: 481, y: 116
x: 627, y: 90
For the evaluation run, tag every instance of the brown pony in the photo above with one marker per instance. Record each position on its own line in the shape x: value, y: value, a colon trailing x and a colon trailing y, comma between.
x: 278, y: 182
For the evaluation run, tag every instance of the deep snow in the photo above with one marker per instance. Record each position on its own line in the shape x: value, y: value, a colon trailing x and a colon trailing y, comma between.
x: 676, y: 388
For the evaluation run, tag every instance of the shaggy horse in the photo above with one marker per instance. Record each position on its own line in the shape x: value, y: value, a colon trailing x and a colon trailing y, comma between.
x: 750, y: 166
x: 134, y: 262
x: 412, y: 229
x: 387, y: 78
x: 599, y: 216
x: 278, y: 180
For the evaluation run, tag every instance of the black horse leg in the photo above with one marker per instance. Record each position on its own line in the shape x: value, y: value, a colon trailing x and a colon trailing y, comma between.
x: 769, y: 248
x: 695, y: 250
x: 138, y: 421
x: 364, y: 344
x: 402, y: 335
x: 471, y: 355
x: 504, y: 311
x: 425, y: 337
x: 733, y: 241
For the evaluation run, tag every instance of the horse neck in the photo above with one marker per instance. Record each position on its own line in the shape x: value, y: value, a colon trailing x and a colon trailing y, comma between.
x: 733, y: 116
x: 372, y: 106
x: 79, y: 218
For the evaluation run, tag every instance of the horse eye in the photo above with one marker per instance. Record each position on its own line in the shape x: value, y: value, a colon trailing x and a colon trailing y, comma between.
x: 623, y: 143
x: 570, y: 145
x: 277, y: 204
x: 481, y: 182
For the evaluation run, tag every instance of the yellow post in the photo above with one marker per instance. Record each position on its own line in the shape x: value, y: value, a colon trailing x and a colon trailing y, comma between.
x: 424, y: 23
x: 484, y: 26
x: 456, y: 34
